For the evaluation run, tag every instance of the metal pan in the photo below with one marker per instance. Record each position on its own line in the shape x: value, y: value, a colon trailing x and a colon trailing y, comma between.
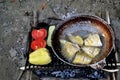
x: 83, y: 25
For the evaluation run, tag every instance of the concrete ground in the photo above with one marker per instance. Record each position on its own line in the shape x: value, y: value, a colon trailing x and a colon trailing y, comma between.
x: 15, y: 24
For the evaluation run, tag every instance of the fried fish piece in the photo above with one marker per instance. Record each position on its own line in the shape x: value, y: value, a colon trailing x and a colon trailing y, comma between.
x: 93, y: 40
x: 82, y: 58
x: 76, y: 39
x: 69, y: 49
x: 91, y: 51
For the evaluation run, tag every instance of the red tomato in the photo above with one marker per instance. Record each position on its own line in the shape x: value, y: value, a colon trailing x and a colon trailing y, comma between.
x: 39, y: 43
x: 40, y: 33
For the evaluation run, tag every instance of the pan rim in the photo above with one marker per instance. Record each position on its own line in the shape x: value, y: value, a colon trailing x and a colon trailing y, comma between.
x: 88, y: 16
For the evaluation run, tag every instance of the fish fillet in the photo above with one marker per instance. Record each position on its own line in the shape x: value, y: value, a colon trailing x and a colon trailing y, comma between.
x: 69, y: 50
x: 76, y: 39
x: 82, y: 58
x: 93, y: 40
x: 91, y: 51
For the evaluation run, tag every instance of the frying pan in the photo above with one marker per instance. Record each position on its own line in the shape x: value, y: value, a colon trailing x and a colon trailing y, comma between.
x: 84, y: 25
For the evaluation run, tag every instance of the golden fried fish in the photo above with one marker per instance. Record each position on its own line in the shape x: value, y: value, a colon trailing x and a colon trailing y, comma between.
x: 91, y: 51
x: 69, y: 49
x: 82, y: 58
x: 93, y: 40
x: 76, y: 39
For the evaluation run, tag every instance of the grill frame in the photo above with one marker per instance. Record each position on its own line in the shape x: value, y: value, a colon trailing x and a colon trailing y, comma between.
x: 57, y: 65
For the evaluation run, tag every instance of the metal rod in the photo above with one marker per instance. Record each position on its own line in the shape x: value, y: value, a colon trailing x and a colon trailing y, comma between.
x: 113, y: 75
x: 30, y: 75
x: 32, y: 66
x: 20, y: 75
x: 27, y: 75
x: 108, y: 21
x: 116, y: 54
x: 35, y: 18
x: 26, y: 67
x: 107, y: 17
x: 118, y: 64
x: 111, y: 70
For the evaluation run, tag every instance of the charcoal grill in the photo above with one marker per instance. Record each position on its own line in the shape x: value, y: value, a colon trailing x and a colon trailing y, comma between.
x: 60, y: 69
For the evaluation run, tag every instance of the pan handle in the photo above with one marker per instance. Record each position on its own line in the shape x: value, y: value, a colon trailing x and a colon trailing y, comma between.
x: 99, y: 65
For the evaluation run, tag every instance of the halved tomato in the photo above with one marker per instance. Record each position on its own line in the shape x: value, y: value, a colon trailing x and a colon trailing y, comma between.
x: 39, y: 33
x: 38, y: 43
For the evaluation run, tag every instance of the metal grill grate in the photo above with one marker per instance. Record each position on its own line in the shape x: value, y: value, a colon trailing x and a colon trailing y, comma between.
x: 60, y: 69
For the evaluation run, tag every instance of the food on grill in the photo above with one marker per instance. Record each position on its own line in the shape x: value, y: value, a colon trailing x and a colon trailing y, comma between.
x: 40, y: 57
x: 51, y: 29
x: 39, y: 33
x: 82, y: 58
x: 76, y: 39
x: 93, y: 40
x: 91, y: 51
x: 81, y: 51
x: 69, y: 49
x: 38, y: 43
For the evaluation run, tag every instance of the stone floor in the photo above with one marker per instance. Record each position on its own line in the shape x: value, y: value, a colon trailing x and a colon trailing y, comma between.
x: 15, y: 24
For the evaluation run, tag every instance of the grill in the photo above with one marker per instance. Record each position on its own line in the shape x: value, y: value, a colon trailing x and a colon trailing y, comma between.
x: 60, y: 69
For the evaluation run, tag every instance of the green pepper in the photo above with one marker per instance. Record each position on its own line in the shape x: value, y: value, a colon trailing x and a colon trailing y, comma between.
x: 50, y: 31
